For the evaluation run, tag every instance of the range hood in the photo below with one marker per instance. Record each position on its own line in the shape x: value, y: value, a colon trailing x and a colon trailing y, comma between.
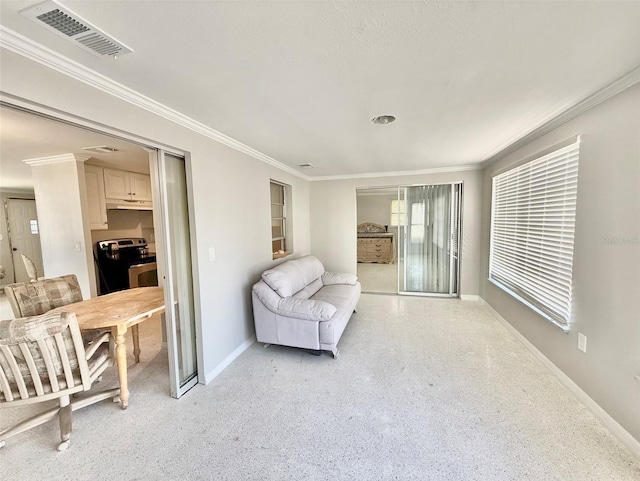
x: 124, y: 205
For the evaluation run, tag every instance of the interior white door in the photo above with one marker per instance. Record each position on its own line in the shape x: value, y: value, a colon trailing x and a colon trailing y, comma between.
x: 24, y: 236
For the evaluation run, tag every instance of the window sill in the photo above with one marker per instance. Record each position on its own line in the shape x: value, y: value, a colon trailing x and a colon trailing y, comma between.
x: 280, y: 255
x: 564, y: 327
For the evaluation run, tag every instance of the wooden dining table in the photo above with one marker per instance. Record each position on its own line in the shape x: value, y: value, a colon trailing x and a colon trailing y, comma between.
x: 118, y: 311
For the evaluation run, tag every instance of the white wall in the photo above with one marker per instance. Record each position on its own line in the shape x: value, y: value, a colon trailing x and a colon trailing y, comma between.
x: 606, y: 270
x: 374, y: 207
x: 64, y: 236
x: 230, y: 194
x: 126, y: 223
x: 334, y: 220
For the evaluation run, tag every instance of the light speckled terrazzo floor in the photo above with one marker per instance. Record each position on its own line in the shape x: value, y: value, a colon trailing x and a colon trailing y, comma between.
x: 424, y: 389
x: 378, y: 278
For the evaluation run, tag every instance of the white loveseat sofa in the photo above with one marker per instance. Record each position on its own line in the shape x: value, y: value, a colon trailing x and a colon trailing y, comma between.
x: 298, y: 304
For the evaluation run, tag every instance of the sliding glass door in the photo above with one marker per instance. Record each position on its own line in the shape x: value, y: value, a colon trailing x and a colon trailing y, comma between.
x: 175, y: 242
x: 428, y: 239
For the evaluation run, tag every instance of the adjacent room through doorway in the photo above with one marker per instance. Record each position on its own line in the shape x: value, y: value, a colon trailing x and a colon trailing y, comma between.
x: 408, y: 239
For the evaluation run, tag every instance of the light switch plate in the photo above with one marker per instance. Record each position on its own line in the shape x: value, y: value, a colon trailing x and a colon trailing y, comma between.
x: 212, y: 253
x: 582, y: 342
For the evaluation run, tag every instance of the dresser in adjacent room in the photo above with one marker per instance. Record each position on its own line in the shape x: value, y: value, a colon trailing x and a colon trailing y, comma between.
x: 375, y: 244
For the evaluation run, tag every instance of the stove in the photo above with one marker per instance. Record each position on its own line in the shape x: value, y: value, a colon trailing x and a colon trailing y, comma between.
x: 116, y: 256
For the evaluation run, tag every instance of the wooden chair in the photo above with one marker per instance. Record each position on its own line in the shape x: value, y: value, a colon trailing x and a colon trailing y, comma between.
x: 44, y: 358
x: 37, y: 297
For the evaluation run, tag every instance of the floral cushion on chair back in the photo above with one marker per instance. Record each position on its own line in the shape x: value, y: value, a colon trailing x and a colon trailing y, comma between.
x: 35, y: 298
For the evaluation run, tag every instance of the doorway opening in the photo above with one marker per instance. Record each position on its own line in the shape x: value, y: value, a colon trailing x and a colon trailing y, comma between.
x: 409, y: 239
x: 377, y: 267
x: 123, y: 189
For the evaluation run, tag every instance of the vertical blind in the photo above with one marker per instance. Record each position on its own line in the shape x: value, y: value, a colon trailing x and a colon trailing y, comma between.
x: 427, y: 240
x: 532, y: 232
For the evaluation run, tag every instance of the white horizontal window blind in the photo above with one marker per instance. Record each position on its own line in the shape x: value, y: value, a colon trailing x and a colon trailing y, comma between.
x: 532, y: 232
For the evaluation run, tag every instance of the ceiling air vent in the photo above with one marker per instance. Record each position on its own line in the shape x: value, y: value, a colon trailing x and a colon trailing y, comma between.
x: 307, y: 166
x: 67, y: 24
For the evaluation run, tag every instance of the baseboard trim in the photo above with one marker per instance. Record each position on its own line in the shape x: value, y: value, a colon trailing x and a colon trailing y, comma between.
x: 469, y: 297
x: 631, y: 443
x: 210, y: 376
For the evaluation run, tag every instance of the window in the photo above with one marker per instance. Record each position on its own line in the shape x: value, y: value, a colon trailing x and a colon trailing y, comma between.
x: 280, y: 239
x: 417, y: 220
x: 532, y: 232
x: 397, y: 212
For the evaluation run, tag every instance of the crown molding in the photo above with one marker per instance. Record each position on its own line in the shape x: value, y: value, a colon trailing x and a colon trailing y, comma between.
x: 564, y: 115
x: 398, y: 173
x: 26, y: 47
x: 57, y: 159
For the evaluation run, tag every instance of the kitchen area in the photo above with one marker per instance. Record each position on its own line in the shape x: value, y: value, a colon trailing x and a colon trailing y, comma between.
x: 89, y: 212
x: 88, y: 195
x: 121, y: 220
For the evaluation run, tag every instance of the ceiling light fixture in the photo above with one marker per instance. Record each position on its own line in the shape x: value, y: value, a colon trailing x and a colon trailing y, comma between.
x: 383, y: 119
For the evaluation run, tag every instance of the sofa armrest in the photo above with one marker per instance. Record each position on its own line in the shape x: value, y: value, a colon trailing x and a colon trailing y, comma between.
x: 306, y: 309
x: 338, y: 278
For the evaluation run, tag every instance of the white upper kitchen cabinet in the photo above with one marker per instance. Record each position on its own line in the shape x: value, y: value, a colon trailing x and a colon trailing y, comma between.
x: 94, y: 179
x: 122, y: 185
x: 141, y: 187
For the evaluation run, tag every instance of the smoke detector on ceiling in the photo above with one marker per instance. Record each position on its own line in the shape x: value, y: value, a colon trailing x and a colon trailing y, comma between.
x: 103, y: 149
x: 74, y: 28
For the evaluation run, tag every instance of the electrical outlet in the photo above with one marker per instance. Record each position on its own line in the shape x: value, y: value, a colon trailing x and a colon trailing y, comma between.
x: 582, y: 342
x: 212, y: 253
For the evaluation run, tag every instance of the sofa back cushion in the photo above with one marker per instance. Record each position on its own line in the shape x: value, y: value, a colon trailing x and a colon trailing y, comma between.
x: 293, y: 276
x: 309, y: 290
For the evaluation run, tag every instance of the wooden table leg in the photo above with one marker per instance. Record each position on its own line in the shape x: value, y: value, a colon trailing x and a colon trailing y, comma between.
x: 121, y: 360
x: 136, y: 342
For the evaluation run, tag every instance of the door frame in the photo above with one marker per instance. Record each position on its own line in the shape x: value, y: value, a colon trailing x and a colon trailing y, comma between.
x: 165, y: 269
x: 458, y: 269
x: 23, y: 105
x: 452, y: 270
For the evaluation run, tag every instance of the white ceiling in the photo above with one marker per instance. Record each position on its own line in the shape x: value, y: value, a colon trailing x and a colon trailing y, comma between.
x: 24, y: 136
x: 300, y: 81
